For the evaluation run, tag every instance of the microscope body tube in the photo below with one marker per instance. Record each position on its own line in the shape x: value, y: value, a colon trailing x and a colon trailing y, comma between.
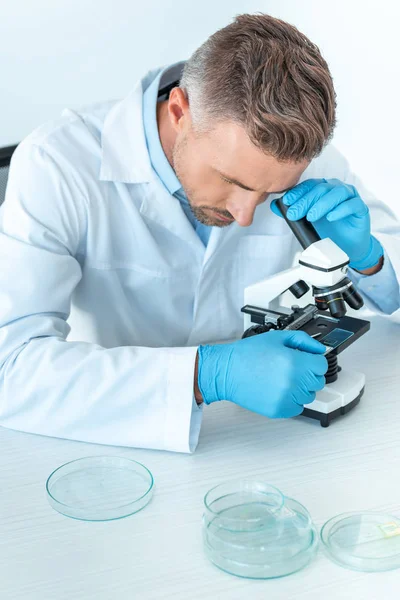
x: 306, y: 234
x: 303, y: 230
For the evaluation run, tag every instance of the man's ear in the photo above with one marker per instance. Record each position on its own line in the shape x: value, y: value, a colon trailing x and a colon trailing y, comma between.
x: 178, y: 109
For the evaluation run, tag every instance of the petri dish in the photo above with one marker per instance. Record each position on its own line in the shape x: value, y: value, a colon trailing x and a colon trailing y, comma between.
x: 100, y: 488
x: 250, y: 529
x: 365, y: 541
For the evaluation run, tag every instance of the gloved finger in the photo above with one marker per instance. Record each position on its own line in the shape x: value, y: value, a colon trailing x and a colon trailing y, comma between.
x: 317, y: 364
x: 301, y: 207
x: 329, y: 202
x: 315, y: 383
x: 293, y: 402
x: 301, y: 397
x: 300, y: 189
x: 289, y: 410
x: 300, y: 340
x: 294, y: 410
x: 354, y: 207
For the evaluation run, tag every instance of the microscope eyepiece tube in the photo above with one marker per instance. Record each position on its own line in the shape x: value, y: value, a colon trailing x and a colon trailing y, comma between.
x: 302, y: 229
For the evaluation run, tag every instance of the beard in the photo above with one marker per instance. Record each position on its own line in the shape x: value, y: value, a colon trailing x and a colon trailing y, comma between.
x: 203, y: 213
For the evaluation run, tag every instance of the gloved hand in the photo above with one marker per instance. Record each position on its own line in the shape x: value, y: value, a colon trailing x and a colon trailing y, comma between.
x: 272, y: 373
x: 337, y: 212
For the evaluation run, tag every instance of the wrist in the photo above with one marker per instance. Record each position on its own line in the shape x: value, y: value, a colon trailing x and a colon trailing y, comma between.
x: 371, y: 261
x: 197, y: 393
x: 212, y: 364
x: 372, y: 270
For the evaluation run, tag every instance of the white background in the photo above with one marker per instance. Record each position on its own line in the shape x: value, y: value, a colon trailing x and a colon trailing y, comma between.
x: 74, y: 52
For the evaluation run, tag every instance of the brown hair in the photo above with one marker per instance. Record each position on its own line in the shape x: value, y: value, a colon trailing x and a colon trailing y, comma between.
x: 266, y: 75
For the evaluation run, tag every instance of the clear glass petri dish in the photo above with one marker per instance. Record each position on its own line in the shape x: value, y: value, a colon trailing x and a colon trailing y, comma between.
x: 251, y: 530
x: 100, y: 488
x: 363, y: 541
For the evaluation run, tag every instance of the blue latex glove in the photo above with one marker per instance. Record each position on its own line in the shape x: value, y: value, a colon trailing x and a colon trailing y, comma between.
x: 337, y: 212
x: 272, y: 373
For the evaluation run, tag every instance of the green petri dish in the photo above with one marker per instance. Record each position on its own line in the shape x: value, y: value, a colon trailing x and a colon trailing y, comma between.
x: 100, y: 488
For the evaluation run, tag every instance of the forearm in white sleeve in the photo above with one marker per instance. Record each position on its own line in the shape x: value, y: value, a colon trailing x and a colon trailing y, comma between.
x: 381, y: 291
x: 132, y: 396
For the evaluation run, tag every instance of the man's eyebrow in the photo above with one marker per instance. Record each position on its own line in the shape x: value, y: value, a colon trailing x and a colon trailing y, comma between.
x: 245, y: 187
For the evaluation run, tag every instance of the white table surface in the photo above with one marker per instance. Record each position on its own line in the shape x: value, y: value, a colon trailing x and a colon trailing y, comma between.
x: 157, y: 553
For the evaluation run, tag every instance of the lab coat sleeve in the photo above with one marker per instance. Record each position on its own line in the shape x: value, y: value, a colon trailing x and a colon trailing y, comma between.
x: 381, y: 292
x: 126, y: 396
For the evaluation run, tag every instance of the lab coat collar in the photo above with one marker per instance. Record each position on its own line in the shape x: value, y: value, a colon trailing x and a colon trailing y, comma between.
x: 125, y: 159
x: 124, y: 152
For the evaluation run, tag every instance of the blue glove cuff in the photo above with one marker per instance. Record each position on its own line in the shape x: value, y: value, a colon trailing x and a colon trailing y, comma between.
x: 207, y: 384
x: 375, y: 253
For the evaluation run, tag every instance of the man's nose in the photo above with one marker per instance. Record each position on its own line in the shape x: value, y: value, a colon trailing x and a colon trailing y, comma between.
x: 242, y: 207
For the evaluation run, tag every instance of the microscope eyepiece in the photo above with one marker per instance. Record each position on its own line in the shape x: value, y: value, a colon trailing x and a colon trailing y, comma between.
x: 303, y: 230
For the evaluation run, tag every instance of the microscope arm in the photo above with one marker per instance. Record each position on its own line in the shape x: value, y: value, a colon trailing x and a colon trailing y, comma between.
x: 267, y: 290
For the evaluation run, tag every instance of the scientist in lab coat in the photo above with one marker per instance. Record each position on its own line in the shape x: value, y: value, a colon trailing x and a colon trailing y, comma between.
x: 130, y: 230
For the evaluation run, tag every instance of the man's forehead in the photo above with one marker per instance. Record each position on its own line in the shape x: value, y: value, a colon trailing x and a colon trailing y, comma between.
x: 237, y: 158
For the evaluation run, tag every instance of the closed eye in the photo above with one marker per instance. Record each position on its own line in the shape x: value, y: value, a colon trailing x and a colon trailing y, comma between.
x: 244, y: 187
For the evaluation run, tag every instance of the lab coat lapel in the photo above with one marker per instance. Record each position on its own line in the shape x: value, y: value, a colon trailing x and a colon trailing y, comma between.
x: 125, y: 158
x: 218, y: 238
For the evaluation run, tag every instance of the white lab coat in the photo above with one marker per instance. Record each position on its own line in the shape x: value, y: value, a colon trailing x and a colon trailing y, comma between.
x: 106, y: 290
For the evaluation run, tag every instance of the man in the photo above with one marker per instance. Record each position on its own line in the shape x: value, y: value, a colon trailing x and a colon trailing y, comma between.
x: 133, y: 227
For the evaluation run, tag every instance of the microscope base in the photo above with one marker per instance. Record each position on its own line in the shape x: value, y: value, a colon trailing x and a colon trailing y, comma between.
x: 337, y: 398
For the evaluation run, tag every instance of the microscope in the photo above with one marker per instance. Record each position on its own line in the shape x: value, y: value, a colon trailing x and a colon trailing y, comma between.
x: 323, y: 266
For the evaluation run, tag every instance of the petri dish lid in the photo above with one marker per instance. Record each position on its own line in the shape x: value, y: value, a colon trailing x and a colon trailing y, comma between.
x: 100, y: 488
x: 365, y: 541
